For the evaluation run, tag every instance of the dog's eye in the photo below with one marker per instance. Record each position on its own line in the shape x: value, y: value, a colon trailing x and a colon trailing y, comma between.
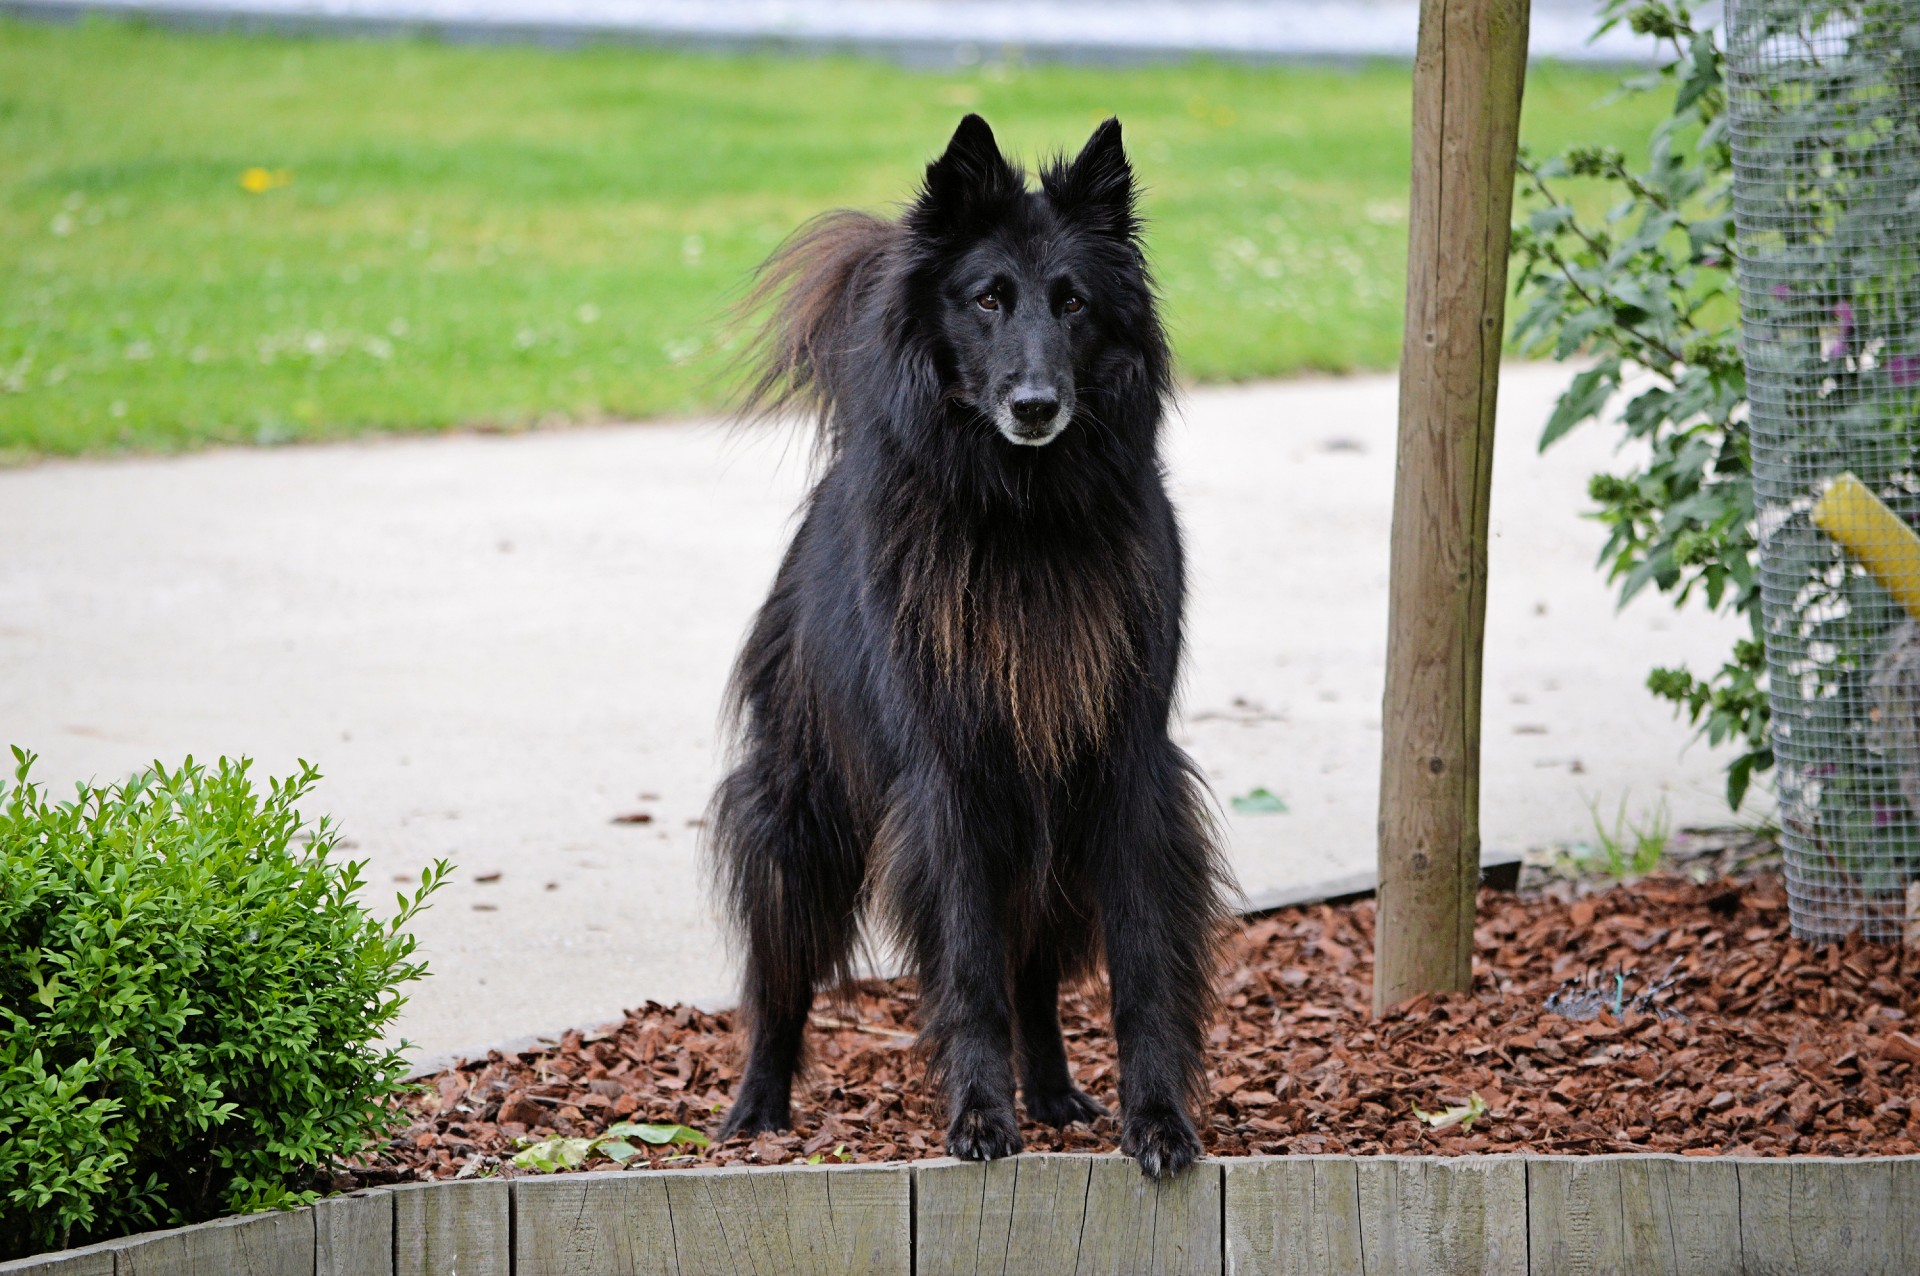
x: 987, y: 301
x: 1073, y: 305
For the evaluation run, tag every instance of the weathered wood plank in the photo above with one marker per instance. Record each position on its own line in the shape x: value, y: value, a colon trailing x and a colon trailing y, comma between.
x: 1905, y: 1242
x: 1694, y: 1205
x: 1766, y: 1218
x: 1670, y: 1215
x: 452, y: 1228
x: 278, y: 1243
x: 870, y: 1216
x: 1047, y: 1215
x: 1293, y: 1216
x: 1574, y: 1217
x: 594, y: 1225
x: 91, y: 1260
x: 1818, y: 1215
x: 1461, y: 1216
x: 353, y: 1234
x: 1116, y: 1234
x: 709, y: 1236
x: 949, y: 1215
x: 804, y: 1220
x: 1135, y: 1225
x: 1019, y: 1215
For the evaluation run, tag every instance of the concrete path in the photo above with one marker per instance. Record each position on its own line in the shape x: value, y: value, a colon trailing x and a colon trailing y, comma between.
x: 932, y: 32
x: 496, y: 646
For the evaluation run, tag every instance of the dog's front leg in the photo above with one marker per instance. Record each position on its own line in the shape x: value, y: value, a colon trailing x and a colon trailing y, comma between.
x: 1160, y: 909
x: 959, y: 925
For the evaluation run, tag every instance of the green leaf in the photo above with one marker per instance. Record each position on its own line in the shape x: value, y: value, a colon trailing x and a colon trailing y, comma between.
x: 1739, y: 776
x: 1259, y: 802
x: 1547, y: 220
x: 658, y: 1134
x: 45, y: 991
x: 1577, y: 332
x: 1462, y: 1115
x: 1703, y: 73
x: 550, y: 1155
x: 1584, y: 399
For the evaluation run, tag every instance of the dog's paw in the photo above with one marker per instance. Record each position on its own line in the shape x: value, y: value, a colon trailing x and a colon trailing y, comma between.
x: 751, y: 1115
x: 1162, y: 1140
x: 983, y: 1134
x: 1062, y: 1108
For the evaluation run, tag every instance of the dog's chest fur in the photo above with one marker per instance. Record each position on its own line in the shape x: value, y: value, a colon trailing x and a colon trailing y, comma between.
x: 1040, y: 640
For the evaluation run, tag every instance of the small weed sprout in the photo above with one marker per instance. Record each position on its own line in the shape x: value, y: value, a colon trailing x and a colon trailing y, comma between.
x: 1628, y: 848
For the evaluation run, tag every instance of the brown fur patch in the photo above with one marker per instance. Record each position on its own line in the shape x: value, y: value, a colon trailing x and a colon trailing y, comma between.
x: 1044, y: 641
x: 805, y: 290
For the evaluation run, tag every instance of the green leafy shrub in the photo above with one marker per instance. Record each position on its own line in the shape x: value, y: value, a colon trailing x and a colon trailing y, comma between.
x: 191, y: 1003
x: 1647, y: 293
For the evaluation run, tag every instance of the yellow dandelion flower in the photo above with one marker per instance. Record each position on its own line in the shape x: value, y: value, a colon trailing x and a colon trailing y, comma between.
x: 258, y: 181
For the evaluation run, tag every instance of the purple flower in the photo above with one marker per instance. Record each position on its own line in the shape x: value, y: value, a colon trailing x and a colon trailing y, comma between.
x: 1904, y: 369
x: 1782, y: 291
x: 1837, y: 348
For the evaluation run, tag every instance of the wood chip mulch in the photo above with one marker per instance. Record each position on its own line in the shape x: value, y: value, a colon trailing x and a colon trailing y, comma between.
x: 1751, y: 1043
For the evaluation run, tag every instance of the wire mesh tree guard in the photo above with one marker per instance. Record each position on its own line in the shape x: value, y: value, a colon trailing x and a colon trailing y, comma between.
x: 1825, y: 117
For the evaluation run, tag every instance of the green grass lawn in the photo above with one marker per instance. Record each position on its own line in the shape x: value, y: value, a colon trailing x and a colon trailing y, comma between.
x: 505, y: 235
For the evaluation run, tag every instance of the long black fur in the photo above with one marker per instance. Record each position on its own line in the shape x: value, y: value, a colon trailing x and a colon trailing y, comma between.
x: 953, y: 707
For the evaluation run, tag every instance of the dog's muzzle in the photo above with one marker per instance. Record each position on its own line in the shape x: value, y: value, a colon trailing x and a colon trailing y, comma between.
x: 1033, y: 420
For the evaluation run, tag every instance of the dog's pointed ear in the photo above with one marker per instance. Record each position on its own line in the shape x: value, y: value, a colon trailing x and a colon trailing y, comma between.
x: 969, y: 178
x: 1097, y: 188
x: 972, y: 160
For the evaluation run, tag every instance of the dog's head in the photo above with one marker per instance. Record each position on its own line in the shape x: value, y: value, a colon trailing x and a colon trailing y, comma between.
x: 1027, y: 292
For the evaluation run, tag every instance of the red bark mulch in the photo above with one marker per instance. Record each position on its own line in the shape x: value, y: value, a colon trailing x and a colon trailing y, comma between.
x: 1761, y: 1045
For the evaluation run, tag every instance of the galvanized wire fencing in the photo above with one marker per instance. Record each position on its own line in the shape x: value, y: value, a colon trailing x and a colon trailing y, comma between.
x: 1825, y: 110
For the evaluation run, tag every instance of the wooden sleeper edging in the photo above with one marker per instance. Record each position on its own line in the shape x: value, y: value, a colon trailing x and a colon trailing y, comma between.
x: 1075, y: 1215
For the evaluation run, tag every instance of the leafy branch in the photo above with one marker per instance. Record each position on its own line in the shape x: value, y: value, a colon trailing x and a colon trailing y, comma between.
x: 1645, y: 295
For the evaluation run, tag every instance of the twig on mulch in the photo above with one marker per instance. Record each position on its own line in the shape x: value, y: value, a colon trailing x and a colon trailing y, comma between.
x: 844, y: 1025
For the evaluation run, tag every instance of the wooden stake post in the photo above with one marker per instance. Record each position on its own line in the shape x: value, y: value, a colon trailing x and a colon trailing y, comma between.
x: 1467, y: 81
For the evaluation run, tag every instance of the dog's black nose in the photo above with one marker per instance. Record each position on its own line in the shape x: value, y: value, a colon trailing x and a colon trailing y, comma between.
x: 1035, y: 411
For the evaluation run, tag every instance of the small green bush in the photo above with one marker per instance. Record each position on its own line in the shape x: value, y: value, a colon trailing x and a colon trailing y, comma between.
x: 191, y: 1003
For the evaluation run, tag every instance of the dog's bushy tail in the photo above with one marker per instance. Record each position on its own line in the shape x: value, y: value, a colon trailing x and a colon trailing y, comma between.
x: 810, y: 292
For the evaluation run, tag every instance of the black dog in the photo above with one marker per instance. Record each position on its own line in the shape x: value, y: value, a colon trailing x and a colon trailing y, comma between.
x: 954, y: 704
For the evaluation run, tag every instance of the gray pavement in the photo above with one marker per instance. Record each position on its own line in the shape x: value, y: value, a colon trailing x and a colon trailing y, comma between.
x: 923, y: 31
x: 495, y: 646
